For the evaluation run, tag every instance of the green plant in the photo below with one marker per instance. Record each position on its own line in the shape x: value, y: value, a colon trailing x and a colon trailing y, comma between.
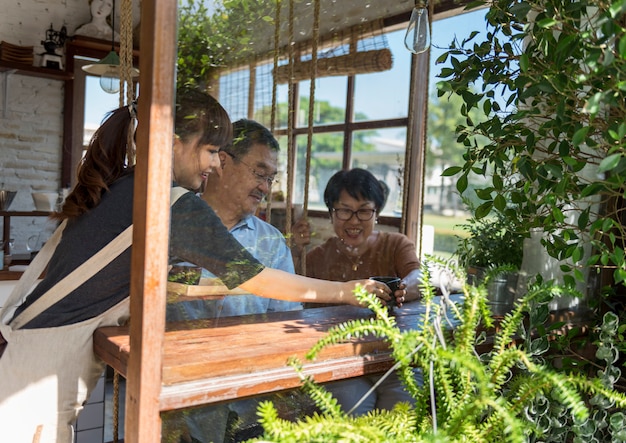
x: 556, y: 148
x: 209, y: 40
x: 468, y: 397
x: 492, y: 241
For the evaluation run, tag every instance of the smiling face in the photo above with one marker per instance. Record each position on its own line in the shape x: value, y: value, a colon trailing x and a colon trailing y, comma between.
x: 242, y: 184
x: 353, y: 232
x: 193, y: 162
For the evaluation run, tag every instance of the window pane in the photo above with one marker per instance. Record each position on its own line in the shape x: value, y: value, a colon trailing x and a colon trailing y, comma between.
x: 385, y: 95
x: 382, y: 152
x: 330, y: 101
x: 326, y: 159
x: 263, y: 95
x: 234, y: 93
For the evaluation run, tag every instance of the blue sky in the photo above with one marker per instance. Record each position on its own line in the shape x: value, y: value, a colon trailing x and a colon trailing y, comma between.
x: 98, y: 102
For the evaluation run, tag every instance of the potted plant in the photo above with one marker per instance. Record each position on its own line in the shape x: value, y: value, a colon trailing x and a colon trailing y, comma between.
x: 492, y: 249
x: 503, y: 392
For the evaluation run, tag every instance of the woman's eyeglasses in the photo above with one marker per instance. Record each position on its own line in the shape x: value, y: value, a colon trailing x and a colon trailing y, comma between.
x: 344, y: 214
x: 260, y: 178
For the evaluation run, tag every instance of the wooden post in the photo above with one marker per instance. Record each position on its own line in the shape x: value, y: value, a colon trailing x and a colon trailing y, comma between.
x: 151, y: 219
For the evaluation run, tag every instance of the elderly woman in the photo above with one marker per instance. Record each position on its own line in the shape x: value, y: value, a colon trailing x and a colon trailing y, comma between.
x: 354, y: 199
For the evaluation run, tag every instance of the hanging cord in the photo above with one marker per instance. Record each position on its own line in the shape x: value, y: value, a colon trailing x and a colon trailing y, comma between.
x: 116, y: 405
x: 311, y: 122
x: 291, y: 148
x: 126, y: 70
x: 276, y: 52
x: 127, y: 97
x: 268, y: 207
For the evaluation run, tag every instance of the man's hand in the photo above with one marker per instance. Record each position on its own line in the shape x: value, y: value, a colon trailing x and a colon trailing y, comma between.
x: 301, y: 231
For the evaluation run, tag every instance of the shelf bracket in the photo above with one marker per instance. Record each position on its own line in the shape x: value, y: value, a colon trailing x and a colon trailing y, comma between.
x: 5, y: 92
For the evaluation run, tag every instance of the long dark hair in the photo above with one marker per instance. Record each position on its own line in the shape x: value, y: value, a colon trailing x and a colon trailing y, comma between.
x: 105, y: 161
x: 107, y: 157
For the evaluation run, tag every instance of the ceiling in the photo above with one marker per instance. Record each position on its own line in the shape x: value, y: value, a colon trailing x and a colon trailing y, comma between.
x: 335, y: 16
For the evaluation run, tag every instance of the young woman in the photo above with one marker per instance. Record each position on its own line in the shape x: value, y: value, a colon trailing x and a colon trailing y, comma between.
x: 354, y: 199
x: 48, y: 368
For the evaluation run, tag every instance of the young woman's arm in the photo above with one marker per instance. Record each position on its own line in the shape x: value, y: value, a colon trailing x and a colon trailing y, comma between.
x: 273, y: 283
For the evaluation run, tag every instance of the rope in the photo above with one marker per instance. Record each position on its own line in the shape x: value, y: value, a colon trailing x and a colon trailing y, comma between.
x: 126, y: 69
x: 268, y: 208
x: 116, y: 405
x: 276, y: 52
x: 291, y: 148
x: 311, y: 121
x: 127, y: 96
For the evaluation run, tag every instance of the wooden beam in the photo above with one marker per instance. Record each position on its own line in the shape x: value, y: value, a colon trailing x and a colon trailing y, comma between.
x: 415, y: 159
x: 151, y: 219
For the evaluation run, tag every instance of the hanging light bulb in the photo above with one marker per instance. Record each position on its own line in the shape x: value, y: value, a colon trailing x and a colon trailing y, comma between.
x: 417, y: 38
x: 109, y: 71
x: 110, y: 80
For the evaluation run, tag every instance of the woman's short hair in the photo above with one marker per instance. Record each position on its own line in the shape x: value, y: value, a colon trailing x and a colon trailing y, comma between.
x: 359, y: 184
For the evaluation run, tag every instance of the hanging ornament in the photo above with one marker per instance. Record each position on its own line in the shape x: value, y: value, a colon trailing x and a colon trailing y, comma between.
x: 417, y: 38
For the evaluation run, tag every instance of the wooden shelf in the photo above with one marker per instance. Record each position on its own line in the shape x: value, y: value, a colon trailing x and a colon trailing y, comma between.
x: 6, y: 228
x: 25, y: 213
x: 34, y: 71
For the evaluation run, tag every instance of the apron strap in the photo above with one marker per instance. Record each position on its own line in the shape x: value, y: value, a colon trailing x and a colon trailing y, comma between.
x: 84, y: 272
x: 76, y: 278
x: 32, y: 272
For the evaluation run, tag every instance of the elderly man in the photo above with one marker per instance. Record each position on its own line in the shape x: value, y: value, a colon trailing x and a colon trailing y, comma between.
x: 248, y: 169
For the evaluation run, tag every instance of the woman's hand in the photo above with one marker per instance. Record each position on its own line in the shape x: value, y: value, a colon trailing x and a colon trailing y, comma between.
x: 400, y: 294
x: 377, y: 288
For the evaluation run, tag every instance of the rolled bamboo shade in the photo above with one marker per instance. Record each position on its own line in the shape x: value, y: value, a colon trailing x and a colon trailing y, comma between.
x: 350, y: 64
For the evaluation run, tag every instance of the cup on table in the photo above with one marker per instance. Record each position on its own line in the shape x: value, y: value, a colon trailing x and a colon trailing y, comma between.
x: 393, y: 283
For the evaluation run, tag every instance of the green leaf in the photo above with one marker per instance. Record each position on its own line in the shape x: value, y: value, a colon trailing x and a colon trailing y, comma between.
x: 484, y: 209
x: 619, y: 275
x: 622, y: 47
x: 593, y: 104
x: 580, y: 135
x: 524, y: 62
x: 452, y: 170
x: 609, y: 163
x: 547, y: 22
x: 499, y: 202
x: 484, y: 193
x: 558, y: 215
x: 461, y: 184
x: 497, y: 182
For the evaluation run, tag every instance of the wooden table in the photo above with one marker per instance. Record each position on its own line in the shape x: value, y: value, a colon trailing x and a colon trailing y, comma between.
x: 210, y: 361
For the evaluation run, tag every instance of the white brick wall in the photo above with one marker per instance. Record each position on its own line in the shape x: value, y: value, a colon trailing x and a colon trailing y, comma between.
x: 31, y: 124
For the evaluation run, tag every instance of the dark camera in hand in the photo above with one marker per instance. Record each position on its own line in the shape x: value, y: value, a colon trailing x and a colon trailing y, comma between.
x: 393, y: 283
